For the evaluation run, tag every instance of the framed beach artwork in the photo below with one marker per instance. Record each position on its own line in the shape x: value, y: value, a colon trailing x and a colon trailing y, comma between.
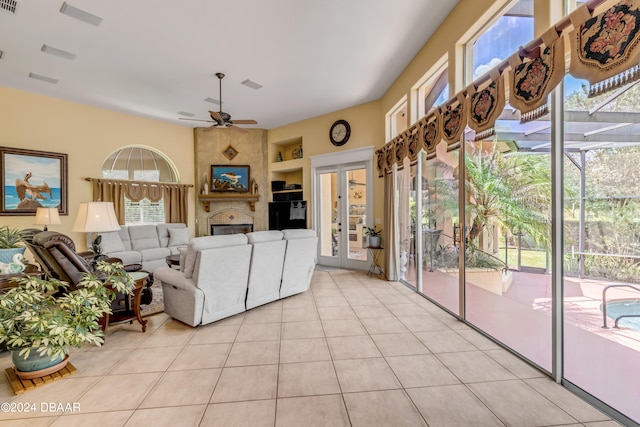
x: 30, y: 179
x: 230, y: 178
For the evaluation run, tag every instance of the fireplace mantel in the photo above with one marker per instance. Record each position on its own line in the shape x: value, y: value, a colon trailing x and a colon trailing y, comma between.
x: 206, y: 199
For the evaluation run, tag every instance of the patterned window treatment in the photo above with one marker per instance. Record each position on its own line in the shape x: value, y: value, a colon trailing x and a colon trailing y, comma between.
x: 453, y: 119
x: 604, y: 50
x: 485, y: 105
x: 175, y: 196
x: 532, y: 79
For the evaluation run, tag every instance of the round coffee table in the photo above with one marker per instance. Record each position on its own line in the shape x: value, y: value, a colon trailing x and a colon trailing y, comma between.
x: 173, y: 260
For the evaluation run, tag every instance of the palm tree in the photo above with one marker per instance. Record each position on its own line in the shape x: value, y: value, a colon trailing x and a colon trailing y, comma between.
x: 511, y: 190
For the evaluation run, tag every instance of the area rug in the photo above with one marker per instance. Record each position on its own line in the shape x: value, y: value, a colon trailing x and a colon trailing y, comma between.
x: 157, y: 304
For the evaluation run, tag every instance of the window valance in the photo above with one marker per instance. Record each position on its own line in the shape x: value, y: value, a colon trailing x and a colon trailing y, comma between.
x: 115, y: 190
x: 604, y: 50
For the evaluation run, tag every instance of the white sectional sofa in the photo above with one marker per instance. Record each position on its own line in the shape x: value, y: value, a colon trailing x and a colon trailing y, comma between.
x: 148, y: 245
x: 224, y: 275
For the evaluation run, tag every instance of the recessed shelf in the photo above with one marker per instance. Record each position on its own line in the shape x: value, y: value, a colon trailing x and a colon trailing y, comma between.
x: 288, y: 165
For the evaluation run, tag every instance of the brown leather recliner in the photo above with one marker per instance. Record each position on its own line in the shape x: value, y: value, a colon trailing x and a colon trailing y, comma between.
x: 57, y: 256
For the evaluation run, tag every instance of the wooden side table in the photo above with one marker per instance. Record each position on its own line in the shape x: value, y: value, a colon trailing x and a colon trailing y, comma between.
x: 9, y: 280
x: 173, y: 260
x: 376, y: 268
x: 129, y: 314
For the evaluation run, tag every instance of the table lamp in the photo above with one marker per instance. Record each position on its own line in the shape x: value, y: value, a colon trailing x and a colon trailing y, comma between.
x: 47, y: 216
x: 96, y: 218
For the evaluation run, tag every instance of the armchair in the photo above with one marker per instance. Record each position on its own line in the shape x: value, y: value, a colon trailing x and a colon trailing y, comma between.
x: 57, y: 256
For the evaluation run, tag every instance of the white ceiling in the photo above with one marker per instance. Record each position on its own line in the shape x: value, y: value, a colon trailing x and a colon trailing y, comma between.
x: 155, y: 58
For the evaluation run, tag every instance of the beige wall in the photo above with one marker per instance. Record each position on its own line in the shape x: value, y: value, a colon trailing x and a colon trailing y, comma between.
x: 463, y: 21
x: 367, y: 129
x: 88, y: 135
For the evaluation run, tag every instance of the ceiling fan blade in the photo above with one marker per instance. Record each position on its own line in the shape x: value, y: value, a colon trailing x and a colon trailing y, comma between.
x: 216, y: 116
x: 244, y: 122
x: 213, y: 126
x: 239, y: 129
x: 196, y: 120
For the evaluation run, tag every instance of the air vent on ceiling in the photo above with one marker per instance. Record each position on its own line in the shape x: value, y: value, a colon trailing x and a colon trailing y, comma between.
x: 43, y: 78
x: 212, y: 100
x: 184, y: 113
x: 58, y: 52
x: 80, y: 14
x: 252, y: 84
x: 9, y: 5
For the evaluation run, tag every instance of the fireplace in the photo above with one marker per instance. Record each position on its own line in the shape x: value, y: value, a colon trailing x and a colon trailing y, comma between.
x: 230, y: 221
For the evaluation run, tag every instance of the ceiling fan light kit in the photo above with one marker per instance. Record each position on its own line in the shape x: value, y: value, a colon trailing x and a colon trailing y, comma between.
x: 222, y: 119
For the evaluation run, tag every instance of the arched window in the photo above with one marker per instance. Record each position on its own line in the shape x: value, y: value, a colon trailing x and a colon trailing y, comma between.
x: 137, y: 163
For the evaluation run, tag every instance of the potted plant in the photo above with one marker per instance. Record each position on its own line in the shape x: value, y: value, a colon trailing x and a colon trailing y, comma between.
x: 11, y: 243
x: 375, y: 238
x: 42, y: 318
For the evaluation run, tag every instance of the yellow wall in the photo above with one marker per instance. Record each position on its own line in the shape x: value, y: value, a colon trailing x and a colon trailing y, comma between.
x: 88, y: 135
x: 367, y: 129
x: 464, y: 20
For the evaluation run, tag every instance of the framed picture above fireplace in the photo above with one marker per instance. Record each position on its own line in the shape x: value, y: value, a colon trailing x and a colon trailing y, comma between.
x: 230, y: 178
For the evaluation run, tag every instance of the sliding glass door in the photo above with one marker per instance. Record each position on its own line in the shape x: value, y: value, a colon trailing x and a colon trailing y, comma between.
x: 439, y: 226
x: 602, y: 244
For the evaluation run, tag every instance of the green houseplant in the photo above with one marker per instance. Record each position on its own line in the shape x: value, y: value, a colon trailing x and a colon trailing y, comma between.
x: 11, y: 243
x: 43, y: 318
x: 375, y: 238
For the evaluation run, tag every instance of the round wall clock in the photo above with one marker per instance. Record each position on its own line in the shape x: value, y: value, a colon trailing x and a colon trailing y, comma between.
x: 340, y: 132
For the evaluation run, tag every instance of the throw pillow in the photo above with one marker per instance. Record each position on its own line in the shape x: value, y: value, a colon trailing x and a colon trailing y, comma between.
x: 178, y: 236
x: 111, y: 242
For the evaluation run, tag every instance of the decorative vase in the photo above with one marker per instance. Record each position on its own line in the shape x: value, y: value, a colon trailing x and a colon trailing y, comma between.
x: 375, y: 241
x: 34, y: 362
x: 6, y: 255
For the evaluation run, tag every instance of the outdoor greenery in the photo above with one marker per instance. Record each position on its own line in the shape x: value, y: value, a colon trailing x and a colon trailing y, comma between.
x: 43, y: 315
x: 528, y: 258
x: 612, y: 204
x: 513, y: 191
x: 446, y: 257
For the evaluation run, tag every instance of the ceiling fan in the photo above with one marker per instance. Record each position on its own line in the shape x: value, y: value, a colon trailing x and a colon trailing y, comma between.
x: 222, y: 119
x: 353, y: 183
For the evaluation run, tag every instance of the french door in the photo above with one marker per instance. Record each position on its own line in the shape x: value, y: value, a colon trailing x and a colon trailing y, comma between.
x: 343, y: 210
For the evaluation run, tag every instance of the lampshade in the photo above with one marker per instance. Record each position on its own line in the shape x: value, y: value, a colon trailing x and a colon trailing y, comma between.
x: 96, y: 217
x: 47, y: 216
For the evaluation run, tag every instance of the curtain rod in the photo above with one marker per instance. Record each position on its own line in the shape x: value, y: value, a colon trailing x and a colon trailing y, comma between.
x: 526, y: 50
x: 139, y: 182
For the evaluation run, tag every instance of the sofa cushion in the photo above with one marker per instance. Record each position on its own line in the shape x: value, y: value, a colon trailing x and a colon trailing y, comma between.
x: 163, y: 232
x: 153, y: 254
x: 143, y: 237
x: 264, y: 236
x: 128, y: 257
x: 111, y: 242
x: 208, y: 242
x: 178, y: 236
x: 302, y: 233
x: 124, y: 236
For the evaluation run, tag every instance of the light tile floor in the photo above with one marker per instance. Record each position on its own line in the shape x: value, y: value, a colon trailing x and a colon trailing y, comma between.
x: 353, y: 351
